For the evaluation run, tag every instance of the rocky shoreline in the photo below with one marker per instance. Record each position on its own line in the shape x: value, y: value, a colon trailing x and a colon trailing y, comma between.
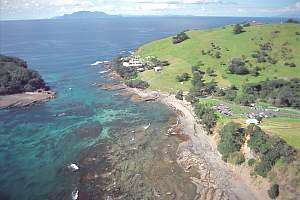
x: 25, y: 99
x: 197, y: 153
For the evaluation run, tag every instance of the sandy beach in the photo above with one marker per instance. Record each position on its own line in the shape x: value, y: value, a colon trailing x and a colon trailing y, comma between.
x: 25, y: 99
x: 214, y: 179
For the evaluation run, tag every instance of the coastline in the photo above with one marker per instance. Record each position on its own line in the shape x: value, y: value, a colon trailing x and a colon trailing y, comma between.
x: 214, y: 178
x: 25, y: 99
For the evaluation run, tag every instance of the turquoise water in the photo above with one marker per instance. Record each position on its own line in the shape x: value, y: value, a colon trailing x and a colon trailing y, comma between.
x: 36, y: 143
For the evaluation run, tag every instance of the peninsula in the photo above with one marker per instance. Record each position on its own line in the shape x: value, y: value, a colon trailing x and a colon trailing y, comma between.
x: 20, y: 86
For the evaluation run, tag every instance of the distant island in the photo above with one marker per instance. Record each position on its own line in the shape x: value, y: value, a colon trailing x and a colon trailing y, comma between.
x: 20, y: 86
x: 86, y: 15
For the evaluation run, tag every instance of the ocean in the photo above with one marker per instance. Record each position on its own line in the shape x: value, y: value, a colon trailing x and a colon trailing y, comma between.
x: 84, y: 124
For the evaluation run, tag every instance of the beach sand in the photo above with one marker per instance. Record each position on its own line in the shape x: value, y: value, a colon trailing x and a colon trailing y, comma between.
x: 25, y: 99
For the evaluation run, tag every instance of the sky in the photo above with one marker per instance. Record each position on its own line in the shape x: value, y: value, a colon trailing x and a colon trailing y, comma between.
x: 39, y: 9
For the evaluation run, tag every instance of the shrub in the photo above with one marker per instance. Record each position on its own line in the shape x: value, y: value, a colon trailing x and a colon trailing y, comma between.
x: 179, y: 95
x: 180, y: 38
x: 251, y: 161
x: 236, y: 158
x: 183, y: 77
x: 297, y: 33
x: 237, y: 66
x: 273, y: 192
x: 238, y: 29
x: 137, y: 84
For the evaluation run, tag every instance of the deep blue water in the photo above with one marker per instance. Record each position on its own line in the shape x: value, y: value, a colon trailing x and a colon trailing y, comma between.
x: 35, y: 144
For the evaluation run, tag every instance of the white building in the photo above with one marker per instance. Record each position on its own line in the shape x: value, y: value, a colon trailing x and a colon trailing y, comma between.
x: 133, y: 62
x: 157, y: 69
x: 252, y: 121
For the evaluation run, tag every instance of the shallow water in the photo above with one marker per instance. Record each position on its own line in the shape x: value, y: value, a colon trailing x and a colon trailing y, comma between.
x: 36, y: 143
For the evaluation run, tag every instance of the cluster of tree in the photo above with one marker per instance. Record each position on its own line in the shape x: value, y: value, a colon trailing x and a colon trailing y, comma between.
x: 183, y: 77
x: 125, y: 72
x: 154, y: 62
x: 292, y: 21
x: 207, y: 116
x: 15, y: 77
x: 238, y: 66
x: 232, y: 137
x: 238, y: 29
x: 263, y: 56
x: 180, y: 38
x: 201, y: 89
x: 268, y: 148
x: 277, y: 92
x: 136, y: 83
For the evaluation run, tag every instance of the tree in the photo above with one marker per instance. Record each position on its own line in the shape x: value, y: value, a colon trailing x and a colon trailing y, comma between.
x: 238, y: 29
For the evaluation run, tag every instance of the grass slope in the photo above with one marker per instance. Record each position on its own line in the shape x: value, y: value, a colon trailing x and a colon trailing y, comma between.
x: 188, y: 53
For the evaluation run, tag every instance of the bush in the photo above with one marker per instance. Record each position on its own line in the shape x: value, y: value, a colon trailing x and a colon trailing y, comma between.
x: 180, y: 38
x: 237, y: 66
x: 236, y: 158
x: 251, y: 161
x: 137, y: 84
x: 273, y: 192
x: 238, y: 29
x: 183, y: 77
x: 179, y: 95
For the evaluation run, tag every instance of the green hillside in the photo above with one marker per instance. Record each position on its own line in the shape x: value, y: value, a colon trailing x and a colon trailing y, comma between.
x: 283, y: 39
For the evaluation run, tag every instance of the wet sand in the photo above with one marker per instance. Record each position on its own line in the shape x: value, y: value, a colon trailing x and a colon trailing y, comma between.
x: 25, y: 99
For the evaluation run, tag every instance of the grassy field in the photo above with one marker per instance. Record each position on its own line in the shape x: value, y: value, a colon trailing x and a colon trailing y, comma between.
x: 188, y: 53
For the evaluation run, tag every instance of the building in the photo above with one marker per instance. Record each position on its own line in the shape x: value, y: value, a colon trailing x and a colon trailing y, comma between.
x: 252, y: 121
x: 133, y: 62
x: 157, y: 69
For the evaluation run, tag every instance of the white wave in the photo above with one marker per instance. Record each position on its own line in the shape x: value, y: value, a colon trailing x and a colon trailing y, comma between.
x: 97, y: 63
x: 75, y: 194
x: 73, y: 167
